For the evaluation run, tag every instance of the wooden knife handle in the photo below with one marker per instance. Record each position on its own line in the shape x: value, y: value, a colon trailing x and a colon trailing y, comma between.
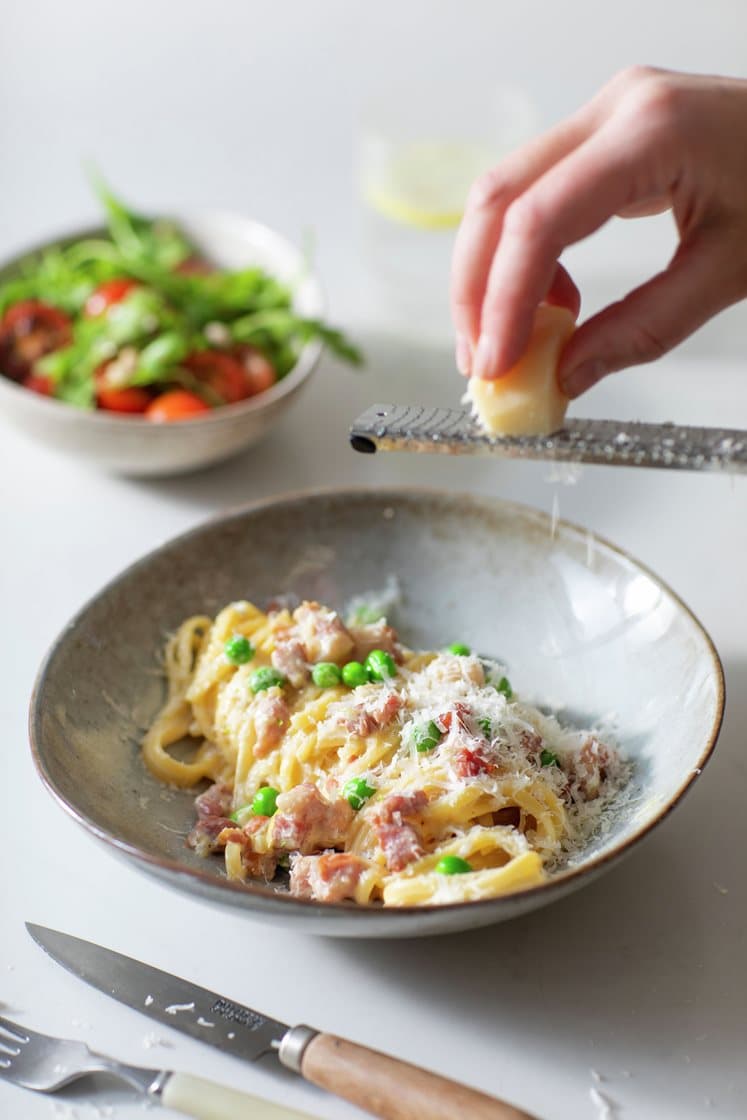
x: 395, y: 1090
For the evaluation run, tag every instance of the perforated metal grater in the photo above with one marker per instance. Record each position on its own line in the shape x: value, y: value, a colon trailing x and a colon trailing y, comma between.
x: 397, y: 427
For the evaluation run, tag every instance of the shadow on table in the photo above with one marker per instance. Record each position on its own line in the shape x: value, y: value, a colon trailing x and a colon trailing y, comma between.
x: 649, y: 959
x: 309, y: 448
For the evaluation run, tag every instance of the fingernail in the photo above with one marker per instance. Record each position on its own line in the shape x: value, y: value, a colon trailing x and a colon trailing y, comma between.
x: 583, y: 377
x: 485, y: 357
x: 463, y: 355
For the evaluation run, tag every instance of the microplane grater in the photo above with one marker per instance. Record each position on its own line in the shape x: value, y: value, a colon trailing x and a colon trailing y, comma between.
x: 449, y: 431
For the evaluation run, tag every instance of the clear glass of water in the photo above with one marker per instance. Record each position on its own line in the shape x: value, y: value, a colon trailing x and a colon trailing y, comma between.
x: 419, y: 150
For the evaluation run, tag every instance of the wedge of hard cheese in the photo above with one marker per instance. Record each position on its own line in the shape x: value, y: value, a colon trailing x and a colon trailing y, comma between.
x: 527, y: 401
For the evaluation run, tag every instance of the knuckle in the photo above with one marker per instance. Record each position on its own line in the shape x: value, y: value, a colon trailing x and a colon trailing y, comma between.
x: 525, y: 219
x: 490, y: 191
x: 657, y: 101
x: 631, y: 77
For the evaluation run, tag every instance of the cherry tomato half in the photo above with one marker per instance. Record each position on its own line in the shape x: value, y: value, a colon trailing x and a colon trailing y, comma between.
x: 102, y: 298
x: 177, y: 404
x: 38, y: 383
x: 222, y: 373
x: 131, y: 399
x: 258, y: 370
x: 118, y: 398
x: 29, y: 330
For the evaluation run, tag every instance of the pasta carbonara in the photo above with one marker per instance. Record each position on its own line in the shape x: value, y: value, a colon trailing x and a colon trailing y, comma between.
x: 370, y: 771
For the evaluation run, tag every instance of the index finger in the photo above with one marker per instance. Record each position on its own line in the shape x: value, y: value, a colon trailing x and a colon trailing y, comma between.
x: 571, y: 200
x: 480, y: 228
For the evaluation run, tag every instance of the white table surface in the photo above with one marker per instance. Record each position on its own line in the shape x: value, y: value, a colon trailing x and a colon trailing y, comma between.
x: 638, y: 980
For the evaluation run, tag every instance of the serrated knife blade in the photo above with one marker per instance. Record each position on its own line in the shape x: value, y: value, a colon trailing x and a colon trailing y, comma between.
x: 379, y: 1084
x: 202, y: 1014
x: 452, y: 431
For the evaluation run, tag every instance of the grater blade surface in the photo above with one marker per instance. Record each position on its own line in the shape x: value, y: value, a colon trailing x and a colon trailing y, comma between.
x: 450, y: 431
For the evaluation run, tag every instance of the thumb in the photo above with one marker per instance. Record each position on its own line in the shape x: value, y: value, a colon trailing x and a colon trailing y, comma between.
x: 700, y: 281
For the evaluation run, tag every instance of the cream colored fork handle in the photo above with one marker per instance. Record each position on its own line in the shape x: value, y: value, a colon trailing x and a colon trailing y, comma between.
x: 204, y: 1100
x: 395, y: 1090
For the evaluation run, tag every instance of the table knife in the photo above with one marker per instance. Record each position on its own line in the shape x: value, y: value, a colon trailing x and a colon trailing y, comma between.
x: 379, y: 1084
x: 451, y: 431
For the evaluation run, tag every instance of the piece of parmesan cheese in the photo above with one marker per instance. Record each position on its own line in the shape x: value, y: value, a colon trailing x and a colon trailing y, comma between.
x: 527, y: 401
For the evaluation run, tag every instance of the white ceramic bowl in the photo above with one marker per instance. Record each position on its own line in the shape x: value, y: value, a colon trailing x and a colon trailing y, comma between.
x: 579, y: 624
x: 131, y: 445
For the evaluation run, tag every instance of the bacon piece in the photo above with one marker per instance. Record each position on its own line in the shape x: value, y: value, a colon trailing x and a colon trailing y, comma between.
x: 323, y: 634
x: 375, y: 635
x: 305, y: 822
x: 329, y: 877
x: 289, y: 658
x: 590, y: 767
x: 397, y: 828
x: 271, y: 719
x: 216, y: 801
x: 259, y: 865
x: 457, y: 717
x: 374, y: 713
x: 205, y: 836
x: 532, y: 743
x: 470, y: 761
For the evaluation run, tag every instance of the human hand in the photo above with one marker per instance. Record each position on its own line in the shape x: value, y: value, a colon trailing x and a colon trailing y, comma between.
x: 650, y: 140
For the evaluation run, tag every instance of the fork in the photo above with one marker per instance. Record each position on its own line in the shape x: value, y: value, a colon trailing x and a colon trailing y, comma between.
x: 38, y: 1061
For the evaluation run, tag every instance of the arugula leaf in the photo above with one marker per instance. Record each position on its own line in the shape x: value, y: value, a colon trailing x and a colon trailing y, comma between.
x: 139, y: 238
x: 158, y: 359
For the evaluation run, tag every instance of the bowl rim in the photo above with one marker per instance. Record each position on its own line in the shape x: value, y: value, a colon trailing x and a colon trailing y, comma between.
x: 307, y: 358
x: 269, y: 900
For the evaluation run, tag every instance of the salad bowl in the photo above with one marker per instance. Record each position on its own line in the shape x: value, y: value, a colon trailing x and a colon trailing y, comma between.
x: 129, y: 445
x: 582, y: 628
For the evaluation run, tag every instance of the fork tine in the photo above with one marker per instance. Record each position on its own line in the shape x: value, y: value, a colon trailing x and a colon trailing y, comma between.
x: 16, y: 1032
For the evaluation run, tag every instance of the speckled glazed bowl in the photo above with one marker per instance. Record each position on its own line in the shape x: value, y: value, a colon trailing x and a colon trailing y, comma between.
x: 134, y: 446
x: 581, y: 626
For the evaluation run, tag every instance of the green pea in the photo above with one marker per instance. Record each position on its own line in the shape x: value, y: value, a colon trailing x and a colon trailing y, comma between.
x: 266, y: 677
x: 504, y: 686
x: 357, y: 790
x: 486, y: 727
x: 354, y: 674
x: 459, y: 649
x: 380, y: 665
x: 427, y: 736
x: 264, y: 803
x: 238, y: 650
x: 453, y: 865
x: 326, y: 674
x: 549, y: 758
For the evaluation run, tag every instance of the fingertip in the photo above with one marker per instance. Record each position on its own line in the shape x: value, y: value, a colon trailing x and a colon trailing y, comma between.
x: 500, y: 347
x: 463, y: 355
x: 484, y: 358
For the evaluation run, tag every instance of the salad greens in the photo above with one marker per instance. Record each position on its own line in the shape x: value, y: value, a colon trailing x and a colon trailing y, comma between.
x: 170, y: 305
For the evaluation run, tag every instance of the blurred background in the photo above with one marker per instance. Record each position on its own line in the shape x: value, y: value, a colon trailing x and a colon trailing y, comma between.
x: 297, y: 113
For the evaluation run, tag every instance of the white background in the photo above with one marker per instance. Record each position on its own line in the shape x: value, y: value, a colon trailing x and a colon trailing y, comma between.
x: 254, y: 106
